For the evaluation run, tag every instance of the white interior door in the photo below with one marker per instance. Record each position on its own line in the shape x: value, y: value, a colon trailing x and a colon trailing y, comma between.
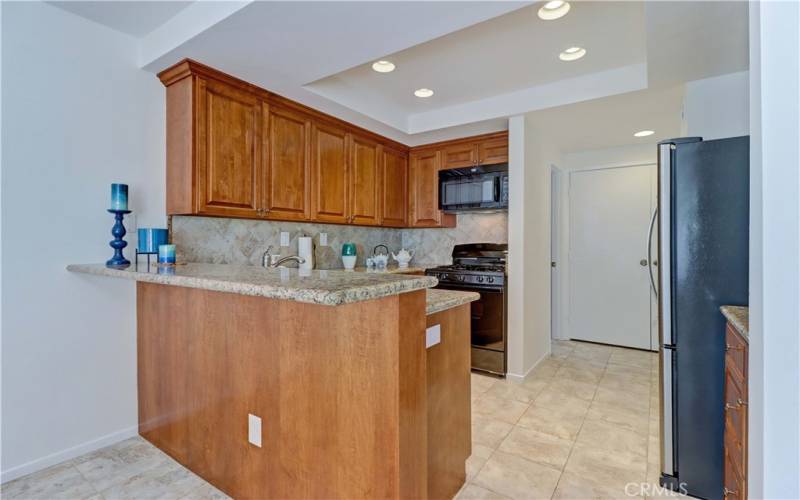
x: 610, y: 293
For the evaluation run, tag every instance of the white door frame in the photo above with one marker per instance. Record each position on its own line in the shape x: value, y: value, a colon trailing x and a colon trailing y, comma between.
x: 555, y: 252
x: 565, y: 246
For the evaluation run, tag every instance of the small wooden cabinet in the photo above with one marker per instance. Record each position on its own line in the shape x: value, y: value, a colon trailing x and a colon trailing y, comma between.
x: 423, y: 190
x: 489, y: 149
x: 329, y: 176
x: 229, y: 152
x: 463, y: 154
x: 365, y: 181
x: 735, y: 415
x: 394, y: 188
x: 286, y: 170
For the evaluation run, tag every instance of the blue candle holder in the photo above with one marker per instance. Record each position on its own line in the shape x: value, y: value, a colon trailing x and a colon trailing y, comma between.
x: 118, y: 232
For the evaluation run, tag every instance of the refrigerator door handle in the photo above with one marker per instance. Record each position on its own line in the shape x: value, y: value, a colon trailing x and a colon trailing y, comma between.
x: 650, y: 250
x: 664, y: 242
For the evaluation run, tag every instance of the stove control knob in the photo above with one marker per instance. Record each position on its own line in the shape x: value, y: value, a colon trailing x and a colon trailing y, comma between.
x: 461, y: 278
x: 443, y: 276
x: 490, y: 279
x: 480, y: 279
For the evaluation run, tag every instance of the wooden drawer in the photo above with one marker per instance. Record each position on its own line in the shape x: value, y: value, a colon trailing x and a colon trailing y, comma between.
x: 736, y: 353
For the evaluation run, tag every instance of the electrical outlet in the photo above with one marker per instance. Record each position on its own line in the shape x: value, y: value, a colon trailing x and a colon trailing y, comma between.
x: 433, y: 335
x: 323, y: 239
x: 284, y: 239
x: 254, y: 430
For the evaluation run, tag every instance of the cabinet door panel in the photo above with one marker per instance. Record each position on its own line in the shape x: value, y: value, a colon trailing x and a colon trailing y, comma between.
x: 493, y: 151
x: 395, y: 188
x: 365, y: 182
x: 424, y: 188
x: 329, y: 174
x: 229, y: 123
x: 460, y: 155
x: 286, y: 196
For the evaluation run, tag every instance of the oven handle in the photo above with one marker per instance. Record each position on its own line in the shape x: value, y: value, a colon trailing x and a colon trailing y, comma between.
x: 482, y: 288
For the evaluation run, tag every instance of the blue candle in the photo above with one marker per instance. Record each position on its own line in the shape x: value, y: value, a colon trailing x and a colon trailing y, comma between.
x: 150, y: 239
x: 119, y: 197
x: 166, y: 254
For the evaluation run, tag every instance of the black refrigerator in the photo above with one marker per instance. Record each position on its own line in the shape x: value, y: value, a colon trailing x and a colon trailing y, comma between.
x: 703, y: 225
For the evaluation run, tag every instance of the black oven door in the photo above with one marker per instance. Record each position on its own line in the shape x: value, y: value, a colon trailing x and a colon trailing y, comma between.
x: 488, y: 322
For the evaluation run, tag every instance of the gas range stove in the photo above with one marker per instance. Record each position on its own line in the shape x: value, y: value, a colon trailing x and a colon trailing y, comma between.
x: 481, y: 268
x: 476, y: 264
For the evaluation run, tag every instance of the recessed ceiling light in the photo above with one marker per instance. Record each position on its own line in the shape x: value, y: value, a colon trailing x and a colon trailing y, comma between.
x: 423, y: 93
x: 643, y: 133
x: 554, y: 9
x: 383, y: 66
x: 572, y: 54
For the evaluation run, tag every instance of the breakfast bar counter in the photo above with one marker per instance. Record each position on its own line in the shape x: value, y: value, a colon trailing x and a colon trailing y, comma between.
x: 279, y: 383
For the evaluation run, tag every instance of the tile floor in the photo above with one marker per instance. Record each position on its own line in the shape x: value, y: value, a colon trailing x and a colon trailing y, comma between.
x: 582, y: 425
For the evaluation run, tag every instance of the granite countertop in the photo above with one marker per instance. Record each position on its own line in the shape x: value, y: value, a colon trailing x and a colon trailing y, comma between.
x: 441, y: 300
x: 331, y: 288
x: 390, y: 269
x: 739, y: 317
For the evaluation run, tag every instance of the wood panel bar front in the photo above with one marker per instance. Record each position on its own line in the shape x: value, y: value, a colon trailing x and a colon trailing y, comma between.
x: 341, y: 392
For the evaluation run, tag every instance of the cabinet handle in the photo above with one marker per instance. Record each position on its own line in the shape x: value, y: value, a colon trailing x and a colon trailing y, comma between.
x: 740, y: 402
x: 726, y: 492
x: 734, y: 406
x: 729, y: 347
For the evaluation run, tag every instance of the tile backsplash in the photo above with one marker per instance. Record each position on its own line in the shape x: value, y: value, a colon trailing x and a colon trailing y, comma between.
x: 435, y: 246
x: 242, y: 241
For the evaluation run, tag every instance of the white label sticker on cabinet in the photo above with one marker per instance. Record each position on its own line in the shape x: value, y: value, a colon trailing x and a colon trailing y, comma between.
x: 254, y: 430
x: 433, y: 335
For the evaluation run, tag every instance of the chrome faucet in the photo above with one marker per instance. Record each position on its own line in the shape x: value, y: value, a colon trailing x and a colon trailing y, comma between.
x: 272, y: 261
x: 288, y: 258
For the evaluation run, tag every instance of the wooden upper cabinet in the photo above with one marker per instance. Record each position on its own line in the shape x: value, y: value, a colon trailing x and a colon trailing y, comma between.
x: 365, y: 181
x: 488, y: 149
x: 394, y: 190
x: 424, y: 191
x: 236, y: 150
x: 460, y: 155
x: 287, y: 172
x: 228, y: 150
x: 493, y: 150
x: 329, y: 174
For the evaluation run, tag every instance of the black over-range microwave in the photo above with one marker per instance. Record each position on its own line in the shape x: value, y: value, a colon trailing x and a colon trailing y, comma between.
x: 474, y: 188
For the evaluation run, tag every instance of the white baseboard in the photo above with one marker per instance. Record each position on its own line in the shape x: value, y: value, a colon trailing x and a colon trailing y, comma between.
x: 513, y: 377
x: 68, y: 454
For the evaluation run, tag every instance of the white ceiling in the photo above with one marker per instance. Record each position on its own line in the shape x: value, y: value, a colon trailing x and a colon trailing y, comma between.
x: 486, y: 60
x: 612, y: 121
x: 134, y: 18
x: 509, y: 53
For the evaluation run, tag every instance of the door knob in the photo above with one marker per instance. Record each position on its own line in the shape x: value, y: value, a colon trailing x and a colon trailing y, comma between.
x: 643, y: 262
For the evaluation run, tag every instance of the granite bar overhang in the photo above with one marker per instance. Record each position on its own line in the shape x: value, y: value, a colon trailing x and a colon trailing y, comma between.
x: 333, y: 287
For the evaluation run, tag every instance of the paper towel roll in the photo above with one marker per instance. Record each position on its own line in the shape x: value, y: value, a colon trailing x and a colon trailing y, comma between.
x: 305, y: 250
